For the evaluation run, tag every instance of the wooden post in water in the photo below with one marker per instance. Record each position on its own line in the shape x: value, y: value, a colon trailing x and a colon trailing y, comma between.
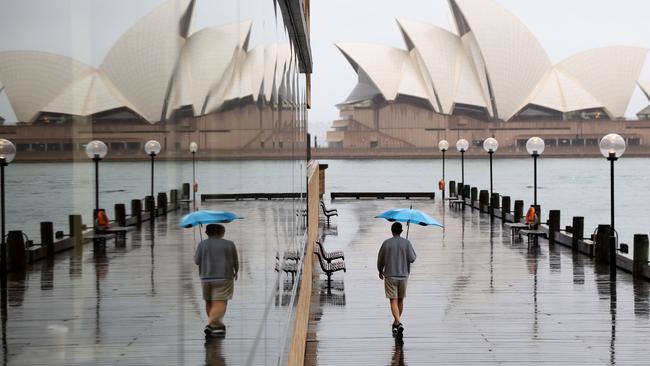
x: 452, y: 188
x: 17, y: 258
x: 519, y: 210
x: 136, y: 211
x: 162, y: 203
x: 505, y: 207
x: 578, y: 231
x: 120, y: 214
x: 553, y: 225
x: 47, y: 237
x: 602, y: 244
x: 483, y: 199
x: 640, y: 254
x: 75, y: 224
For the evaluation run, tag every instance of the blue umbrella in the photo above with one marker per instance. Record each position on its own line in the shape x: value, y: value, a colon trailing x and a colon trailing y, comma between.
x: 409, y: 215
x: 207, y: 217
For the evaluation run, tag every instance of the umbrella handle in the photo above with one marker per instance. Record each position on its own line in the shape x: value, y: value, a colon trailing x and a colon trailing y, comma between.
x: 408, y: 226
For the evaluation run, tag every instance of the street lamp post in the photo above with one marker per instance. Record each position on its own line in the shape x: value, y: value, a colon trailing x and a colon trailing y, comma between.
x: 535, y: 147
x: 96, y: 150
x: 612, y: 147
x: 443, y: 145
x: 462, y: 145
x: 152, y: 148
x: 194, y: 147
x: 7, y: 155
x: 491, y: 145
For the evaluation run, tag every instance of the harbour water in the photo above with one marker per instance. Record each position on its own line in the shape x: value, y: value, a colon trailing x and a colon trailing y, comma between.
x: 577, y: 187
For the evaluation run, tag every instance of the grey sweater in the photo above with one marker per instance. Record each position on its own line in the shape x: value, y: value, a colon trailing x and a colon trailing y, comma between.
x: 395, y: 258
x: 217, y: 260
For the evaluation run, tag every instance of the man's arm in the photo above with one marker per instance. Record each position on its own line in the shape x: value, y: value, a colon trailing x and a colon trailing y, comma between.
x: 411, y: 253
x: 380, y: 262
x: 197, y: 255
x: 235, y: 260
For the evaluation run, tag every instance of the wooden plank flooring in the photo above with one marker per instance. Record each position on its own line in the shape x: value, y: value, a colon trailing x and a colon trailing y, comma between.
x: 474, y: 297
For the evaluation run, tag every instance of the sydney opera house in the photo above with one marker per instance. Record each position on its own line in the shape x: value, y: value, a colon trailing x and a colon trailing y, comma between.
x: 163, y: 81
x: 486, y: 76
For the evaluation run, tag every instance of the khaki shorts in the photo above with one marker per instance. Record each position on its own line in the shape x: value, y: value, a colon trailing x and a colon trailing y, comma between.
x: 221, y: 290
x: 395, y: 289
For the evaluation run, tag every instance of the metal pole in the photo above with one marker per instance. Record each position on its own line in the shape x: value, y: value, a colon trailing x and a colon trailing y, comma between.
x: 462, y: 167
x: 193, y: 180
x: 491, y: 186
x: 612, y: 239
x: 443, y: 175
x: 153, y: 199
x: 535, y: 155
x: 3, y: 248
x: 96, y: 159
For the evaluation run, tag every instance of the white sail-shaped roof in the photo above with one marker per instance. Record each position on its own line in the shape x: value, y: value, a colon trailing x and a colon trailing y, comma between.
x: 610, y: 74
x: 643, y: 84
x: 562, y: 93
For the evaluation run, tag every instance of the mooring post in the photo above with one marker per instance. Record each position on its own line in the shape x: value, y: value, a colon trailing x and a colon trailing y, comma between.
x: 17, y: 258
x: 150, y: 206
x: 519, y: 210
x: 452, y: 188
x: 640, y: 254
x: 553, y: 225
x: 494, y: 203
x: 505, y: 207
x: 483, y: 200
x: 162, y: 203
x: 602, y: 244
x: 136, y: 211
x: 578, y: 231
x: 186, y: 191
x: 120, y: 214
x: 467, y: 192
x: 75, y: 224
x: 173, y: 197
x: 47, y: 237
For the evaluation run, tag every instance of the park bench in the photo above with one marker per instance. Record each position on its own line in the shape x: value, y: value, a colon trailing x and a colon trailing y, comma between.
x: 456, y: 203
x: 288, y: 267
x: 291, y: 255
x: 328, y: 213
x: 329, y: 256
x: 329, y: 267
x: 515, y: 228
x: 532, y: 235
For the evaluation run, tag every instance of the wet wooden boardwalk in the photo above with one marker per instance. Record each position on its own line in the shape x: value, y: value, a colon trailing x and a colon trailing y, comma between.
x: 142, y: 304
x: 474, y: 297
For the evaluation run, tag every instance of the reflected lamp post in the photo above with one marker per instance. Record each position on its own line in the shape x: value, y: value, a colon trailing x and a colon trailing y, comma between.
x: 152, y: 148
x: 535, y: 147
x: 96, y: 150
x: 443, y: 145
x: 462, y: 146
x: 7, y: 155
x: 194, y: 147
x: 490, y: 145
x: 612, y: 147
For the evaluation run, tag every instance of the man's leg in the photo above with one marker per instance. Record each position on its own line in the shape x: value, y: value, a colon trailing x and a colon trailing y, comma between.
x: 400, y: 305
x: 208, y: 306
x: 217, y: 311
x: 394, y: 308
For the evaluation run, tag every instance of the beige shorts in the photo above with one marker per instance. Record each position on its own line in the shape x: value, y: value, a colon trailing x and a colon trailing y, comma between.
x: 221, y: 290
x: 395, y: 289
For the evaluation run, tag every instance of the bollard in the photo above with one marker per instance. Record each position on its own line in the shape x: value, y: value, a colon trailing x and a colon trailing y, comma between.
x: 505, y: 207
x: 494, y: 204
x: 136, y: 211
x: 75, y: 224
x: 150, y: 207
x: 467, y: 191
x: 483, y: 199
x: 519, y: 210
x: 162, y: 203
x: 473, y: 194
x: 47, y: 237
x: 16, y: 257
x: 553, y: 225
x: 173, y: 197
x: 186, y: 191
x: 577, y: 230
x: 120, y: 214
x: 452, y: 188
x: 640, y: 254
x: 602, y: 244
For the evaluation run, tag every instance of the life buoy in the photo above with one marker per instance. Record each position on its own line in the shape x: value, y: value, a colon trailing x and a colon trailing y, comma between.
x: 531, y: 217
x: 441, y: 185
x: 195, y: 187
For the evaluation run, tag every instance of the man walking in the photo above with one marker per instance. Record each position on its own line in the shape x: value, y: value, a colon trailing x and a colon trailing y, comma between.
x: 218, y: 266
x: 394, y: 265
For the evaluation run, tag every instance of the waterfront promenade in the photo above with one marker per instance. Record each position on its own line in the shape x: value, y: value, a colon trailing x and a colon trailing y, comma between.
x: 474, y: 297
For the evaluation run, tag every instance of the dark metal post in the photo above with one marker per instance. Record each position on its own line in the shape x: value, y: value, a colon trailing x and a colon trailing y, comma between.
x: 535, y: 156
x: 3, y: 247
x: 462, y: 167
x: 96, y: 159
x: 152, y: 211
x: 612, y: 238
x: 443, y: 176
x: 193, y: 180
x: 491, y: 185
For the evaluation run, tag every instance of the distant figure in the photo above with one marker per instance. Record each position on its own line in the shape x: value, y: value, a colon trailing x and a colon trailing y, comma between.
x: 101, y: 221
x: 218, y: 266
x: 531, y: 218
x: 394, y: 266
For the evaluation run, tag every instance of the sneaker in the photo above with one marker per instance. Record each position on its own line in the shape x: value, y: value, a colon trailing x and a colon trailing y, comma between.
x: 400, y: 329
x: 218, y: 331
x: 394, y: 329
x: 208, y: 330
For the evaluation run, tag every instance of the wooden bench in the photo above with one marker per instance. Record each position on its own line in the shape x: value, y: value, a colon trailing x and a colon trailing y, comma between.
x: 456, y: 203
x: 532, y: 234
x: 329, y: 256
x: 118, y: 231
x: 328, y: 213
x: 515, y: 228
x: 329, y: 267
x: 289, y: 267
x: 291, y: 255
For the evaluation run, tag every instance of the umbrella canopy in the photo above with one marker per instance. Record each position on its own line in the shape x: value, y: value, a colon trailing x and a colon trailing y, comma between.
x: 207, y: 217
x: 409, y: 215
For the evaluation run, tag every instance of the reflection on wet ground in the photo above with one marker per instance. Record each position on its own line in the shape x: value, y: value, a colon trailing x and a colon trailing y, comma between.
x: 141, y: 303
x: 474, y: 297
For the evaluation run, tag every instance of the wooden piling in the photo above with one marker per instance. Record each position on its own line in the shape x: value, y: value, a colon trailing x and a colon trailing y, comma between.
x: 473, y: 194
x: 483, y: 199
x: 640, y: 254
x: 494, y: 203
x: 136, y: 211
x: 185, y: 191
x: 467, y: 191
x: 75, y: 224
x: 577, y: 231
x: 505, y: 207
x: 150, y: 207
x: 602, y: 244
x: 519, y: 210
x: 120, y: 214
x: 173, y: 197
x: 553, y: 225
x: 162, y: 203
x: 17, y: 258
x: 47, y: 238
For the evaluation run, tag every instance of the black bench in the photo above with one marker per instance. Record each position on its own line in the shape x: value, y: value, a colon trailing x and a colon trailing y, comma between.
x: 289, y: 267
x: 456, y: 203
x: 533, y: 235
x: 329, y: 267
x: 329, y: 256
x: 328, y: 213
x: 291, y: 255
x: 516, y: 228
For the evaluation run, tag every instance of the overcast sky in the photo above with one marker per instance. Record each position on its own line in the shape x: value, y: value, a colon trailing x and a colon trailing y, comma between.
x: 85, y: 30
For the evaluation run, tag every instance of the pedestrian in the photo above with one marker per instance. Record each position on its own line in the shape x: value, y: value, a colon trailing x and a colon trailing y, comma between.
x: 218, y: 266
x: 394, y: 265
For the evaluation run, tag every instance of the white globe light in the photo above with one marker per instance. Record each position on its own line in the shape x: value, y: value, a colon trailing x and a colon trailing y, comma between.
x: 491, y: 145
x: 96, y: 149
x: 535, y: 146
x: 443, y: 145
x: 7, y: 150
x: 194, y: 147
x: 462, y: 145
x: 152, y: 147
x: 612, y: 144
